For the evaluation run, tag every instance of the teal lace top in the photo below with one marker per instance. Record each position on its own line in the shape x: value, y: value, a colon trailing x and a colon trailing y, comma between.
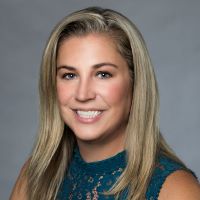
x: 87, y: 181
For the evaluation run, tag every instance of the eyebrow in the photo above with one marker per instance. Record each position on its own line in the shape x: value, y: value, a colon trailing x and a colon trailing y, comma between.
x: 96, y: 66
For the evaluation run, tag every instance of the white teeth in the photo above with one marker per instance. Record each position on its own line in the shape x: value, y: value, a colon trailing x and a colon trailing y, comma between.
x: 88, y: 114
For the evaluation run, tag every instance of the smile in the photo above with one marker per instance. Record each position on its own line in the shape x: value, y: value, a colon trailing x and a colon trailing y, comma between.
x: 88, y: 114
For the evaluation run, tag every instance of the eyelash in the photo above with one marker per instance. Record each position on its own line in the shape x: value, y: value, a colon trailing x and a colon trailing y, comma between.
x: 66, y: 75
x: 104, y: 75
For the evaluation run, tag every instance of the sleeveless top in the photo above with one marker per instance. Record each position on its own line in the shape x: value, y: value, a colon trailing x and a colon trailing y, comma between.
x: 88, y: 181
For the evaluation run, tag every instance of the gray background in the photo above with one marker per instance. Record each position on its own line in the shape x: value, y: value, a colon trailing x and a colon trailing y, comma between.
x: 171, y: 29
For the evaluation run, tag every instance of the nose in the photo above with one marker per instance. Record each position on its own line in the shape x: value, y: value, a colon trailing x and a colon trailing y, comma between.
x: 85, y: 90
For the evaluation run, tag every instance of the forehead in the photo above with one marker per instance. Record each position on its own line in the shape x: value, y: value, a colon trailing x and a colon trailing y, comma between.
x: 92, y: 37
x: 89, y: 48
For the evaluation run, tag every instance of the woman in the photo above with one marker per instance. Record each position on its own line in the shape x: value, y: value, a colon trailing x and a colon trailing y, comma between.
x: 99, y: 133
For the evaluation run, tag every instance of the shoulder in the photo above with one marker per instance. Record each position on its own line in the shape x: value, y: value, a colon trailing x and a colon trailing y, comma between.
x: 170, y: 175
x: 20, y: 187
x: 180, y: 185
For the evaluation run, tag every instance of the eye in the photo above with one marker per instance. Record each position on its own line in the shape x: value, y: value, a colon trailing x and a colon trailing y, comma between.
x: 104, y: 75
x: 69, y: 76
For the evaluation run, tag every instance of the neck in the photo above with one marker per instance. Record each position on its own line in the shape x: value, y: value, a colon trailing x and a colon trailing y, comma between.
x: 91, y: 151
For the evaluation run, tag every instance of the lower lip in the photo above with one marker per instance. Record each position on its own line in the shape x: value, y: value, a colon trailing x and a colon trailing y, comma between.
x: 88, y: 120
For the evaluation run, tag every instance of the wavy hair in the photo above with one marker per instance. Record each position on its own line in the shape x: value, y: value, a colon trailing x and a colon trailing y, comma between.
x: 53, y: 148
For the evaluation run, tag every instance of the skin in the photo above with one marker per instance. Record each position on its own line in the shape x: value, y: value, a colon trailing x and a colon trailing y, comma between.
x: 90, y: 90
x: 180, y: 185
x: 92, y: 75
x: 20, y: 187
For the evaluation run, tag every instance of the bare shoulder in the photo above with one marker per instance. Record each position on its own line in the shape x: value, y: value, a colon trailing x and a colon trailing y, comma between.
x: 20, y: 187
x: 180, y: 185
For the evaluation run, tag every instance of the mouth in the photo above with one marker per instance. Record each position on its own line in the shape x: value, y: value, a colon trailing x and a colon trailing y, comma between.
x: 88, y: 116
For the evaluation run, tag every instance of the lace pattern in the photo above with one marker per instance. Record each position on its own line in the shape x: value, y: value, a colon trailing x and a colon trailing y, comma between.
x: 89, y: 181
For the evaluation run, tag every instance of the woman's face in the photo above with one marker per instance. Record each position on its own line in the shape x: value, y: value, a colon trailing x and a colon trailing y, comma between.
x: 93, y: 89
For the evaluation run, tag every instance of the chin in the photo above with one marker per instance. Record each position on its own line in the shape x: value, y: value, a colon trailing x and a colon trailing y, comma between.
x: 87, y: 137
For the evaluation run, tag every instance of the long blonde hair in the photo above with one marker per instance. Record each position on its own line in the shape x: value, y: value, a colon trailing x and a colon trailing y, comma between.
x: 55, y: 142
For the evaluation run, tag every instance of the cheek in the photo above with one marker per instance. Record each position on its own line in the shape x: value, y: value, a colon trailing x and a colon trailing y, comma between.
x: 62, y: 93
x: 117, y: 93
